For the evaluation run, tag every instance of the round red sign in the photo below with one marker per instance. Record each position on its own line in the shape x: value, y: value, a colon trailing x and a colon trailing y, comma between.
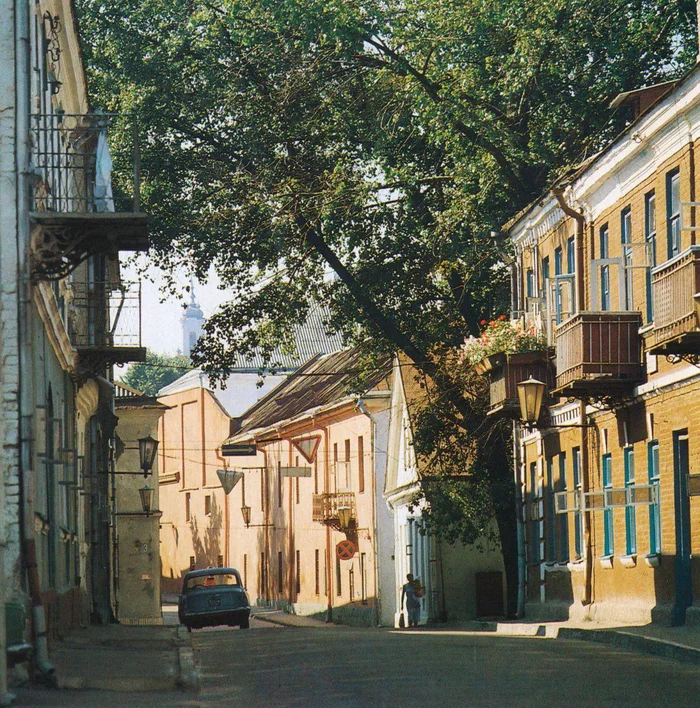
x: 345, y: 550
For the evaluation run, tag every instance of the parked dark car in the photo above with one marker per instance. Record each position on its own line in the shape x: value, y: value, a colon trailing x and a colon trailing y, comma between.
x: 213, y: 596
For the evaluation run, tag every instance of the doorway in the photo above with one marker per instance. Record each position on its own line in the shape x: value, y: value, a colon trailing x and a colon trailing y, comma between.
x: 684, y: 586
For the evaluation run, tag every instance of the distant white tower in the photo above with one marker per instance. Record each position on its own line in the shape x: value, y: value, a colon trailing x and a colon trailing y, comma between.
x: 192, y: 324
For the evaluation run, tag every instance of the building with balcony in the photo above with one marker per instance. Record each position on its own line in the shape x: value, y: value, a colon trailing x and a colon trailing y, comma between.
x: 64, y: 313
x: 607, y: 269
x: 308, y: 527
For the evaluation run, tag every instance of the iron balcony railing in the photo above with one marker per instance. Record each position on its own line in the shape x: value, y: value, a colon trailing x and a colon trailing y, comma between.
x: 72, y: 163
x: 325, y: 507
x: 676, y: 289
x: 105, y: 315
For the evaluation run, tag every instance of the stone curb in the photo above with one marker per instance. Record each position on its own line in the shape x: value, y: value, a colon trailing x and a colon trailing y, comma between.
x: 284, y: 623
x: 633, y: 642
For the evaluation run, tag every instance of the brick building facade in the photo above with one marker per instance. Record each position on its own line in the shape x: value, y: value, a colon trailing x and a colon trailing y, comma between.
x: 607, y: 268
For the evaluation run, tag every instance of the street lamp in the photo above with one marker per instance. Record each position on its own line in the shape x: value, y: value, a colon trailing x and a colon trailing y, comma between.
x: 146, y: 494
x: 148, y: 447
x: 530, y: 395
x: 344, y: 516
x: 245, y: 510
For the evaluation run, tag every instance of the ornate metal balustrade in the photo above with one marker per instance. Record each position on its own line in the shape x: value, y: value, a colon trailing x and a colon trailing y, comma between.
x: 105, y: 323
x: 325, y: 508
x: 676, y: 292
x: 598, y: 354
x: 77, y: 209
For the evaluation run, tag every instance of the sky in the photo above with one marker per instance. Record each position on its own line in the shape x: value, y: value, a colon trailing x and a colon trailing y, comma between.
x: 160, y: 321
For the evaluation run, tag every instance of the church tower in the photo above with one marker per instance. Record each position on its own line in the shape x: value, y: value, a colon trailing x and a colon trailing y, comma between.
x: 192, y: 324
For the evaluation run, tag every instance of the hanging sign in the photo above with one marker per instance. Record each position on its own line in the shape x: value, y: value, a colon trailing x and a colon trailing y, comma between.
x: 345, y: 550
x: 307, y: 447
x: 295, y: 471
x: 239, y: 449
x: 229, y: 479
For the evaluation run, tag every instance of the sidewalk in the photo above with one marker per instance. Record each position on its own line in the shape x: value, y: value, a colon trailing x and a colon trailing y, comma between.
x: 125, y: 658
x: 284, y: 619
x: 679, y: 643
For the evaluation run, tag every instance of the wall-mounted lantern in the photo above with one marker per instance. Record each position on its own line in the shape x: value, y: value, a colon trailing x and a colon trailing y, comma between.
x: 146, y: 494
x: 245, y: 510
x: 531, y: 395
x: 148, y: 447
x: 344, y: 517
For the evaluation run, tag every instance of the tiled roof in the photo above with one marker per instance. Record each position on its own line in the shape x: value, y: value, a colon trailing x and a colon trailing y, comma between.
x: 322, y: 381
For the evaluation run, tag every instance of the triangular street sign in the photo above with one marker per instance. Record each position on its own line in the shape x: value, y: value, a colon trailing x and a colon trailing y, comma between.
x: 229, y: 479
x: 307, y: 447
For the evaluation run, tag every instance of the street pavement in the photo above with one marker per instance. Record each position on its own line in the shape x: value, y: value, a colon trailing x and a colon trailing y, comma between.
x: 337, y: 667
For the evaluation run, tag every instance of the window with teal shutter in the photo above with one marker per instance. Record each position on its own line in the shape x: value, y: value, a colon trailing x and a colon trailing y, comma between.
x: 608, y: 527
x: 654, y: 509
x: 650, y: 238
x: 551, y: 550
x: 673, y: 212
x: 630, y: 511
x: 578, y: 516
x: 563, y: 551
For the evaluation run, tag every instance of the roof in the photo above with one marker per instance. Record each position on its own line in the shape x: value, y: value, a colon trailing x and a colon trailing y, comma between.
x: 324, y: 380
x: 127, y: 396
x: 310, y: 339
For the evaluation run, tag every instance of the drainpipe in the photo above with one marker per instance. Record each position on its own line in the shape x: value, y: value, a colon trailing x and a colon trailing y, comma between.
x: 558, y: 193
x: 326, y: 486
x: 375, y: 538
x: 518, y: 460
x: 266, y: 528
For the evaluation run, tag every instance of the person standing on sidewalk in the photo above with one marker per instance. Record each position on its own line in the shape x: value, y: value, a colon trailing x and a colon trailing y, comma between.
x: 411, y: 592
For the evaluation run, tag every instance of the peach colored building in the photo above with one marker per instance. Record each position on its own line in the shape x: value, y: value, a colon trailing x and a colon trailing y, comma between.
x: 319, y: 451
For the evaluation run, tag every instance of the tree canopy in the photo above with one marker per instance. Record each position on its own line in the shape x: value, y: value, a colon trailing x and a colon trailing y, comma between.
x: 384, y: 140
x: 157, y: 371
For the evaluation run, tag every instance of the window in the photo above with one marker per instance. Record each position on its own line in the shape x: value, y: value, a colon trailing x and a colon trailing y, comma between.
x: 279, y: 483
x: 347, y: 464
x: 245, y: 570
x: 627, y: 259
x: 297, y: 572
x: 220, y: 561
x: 608, y: 526
x: 363, y: 577
x: 297, y: 481
x: 280, y: 579
x: 630, y: 510
x: 530, y: 283
x: 317, y: 572
x: 351, y: 582
x: 654, y: 509
x: 338, y: 578
x: 188, y: 515
x: 578, y: 516
x: 605, y: 270
x: 650, y: 238
x: 207, y: 505
x: 558, y: 304
x: 570, y: 256
x: 563, y: 531
x: 361, y: 464
x: 315, y: 476
x: 334, y: 484
x: 673, y: 212
x: 263, y: 576
x: 534, y: 516
x: 193, y: 565
x: 545, y: 272
x: 263, y: 491
x: 243, y: 490
x: 551, y: 547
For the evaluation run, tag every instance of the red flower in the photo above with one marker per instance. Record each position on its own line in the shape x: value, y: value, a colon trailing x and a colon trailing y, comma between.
x: 483, y: 322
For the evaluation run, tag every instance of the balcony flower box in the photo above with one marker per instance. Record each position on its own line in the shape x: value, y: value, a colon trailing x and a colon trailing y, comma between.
x: 506, y: 371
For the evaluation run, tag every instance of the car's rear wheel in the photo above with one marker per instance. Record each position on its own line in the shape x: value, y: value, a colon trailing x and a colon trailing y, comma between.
x: 245, y: 623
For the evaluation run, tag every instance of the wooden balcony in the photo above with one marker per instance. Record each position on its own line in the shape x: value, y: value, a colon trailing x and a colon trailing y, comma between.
x: 325, y: 508
x: 506, y: 371
x: 676, y: 292
x: 598, y: 354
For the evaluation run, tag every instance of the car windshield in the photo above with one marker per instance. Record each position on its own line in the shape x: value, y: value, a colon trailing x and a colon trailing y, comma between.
x: 216, y: 580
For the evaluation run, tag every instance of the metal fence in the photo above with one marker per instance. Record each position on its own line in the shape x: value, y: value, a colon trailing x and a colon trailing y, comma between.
x: 72, y: 160
x: 106, y: 314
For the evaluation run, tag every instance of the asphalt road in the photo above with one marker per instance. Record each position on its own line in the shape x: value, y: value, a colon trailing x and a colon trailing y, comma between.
x: 337, y: 667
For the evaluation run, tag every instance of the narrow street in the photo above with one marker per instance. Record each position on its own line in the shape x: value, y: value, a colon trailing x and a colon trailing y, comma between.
x: 270, y: 666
